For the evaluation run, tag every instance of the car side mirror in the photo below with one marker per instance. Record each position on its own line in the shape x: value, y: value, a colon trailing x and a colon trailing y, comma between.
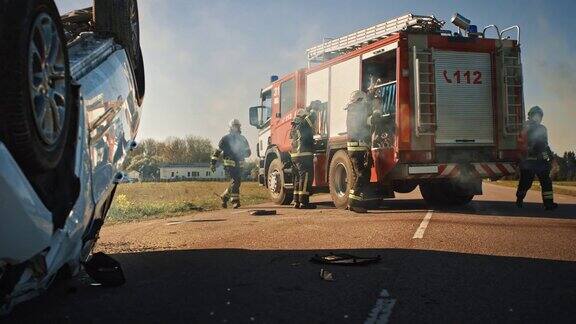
x: 255, y: 114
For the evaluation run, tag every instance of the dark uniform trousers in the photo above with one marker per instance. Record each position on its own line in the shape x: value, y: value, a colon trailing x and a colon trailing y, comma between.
x: 535, y: 167
x: 234, y: 172
x: 303, y: 170
x: 362, y: 164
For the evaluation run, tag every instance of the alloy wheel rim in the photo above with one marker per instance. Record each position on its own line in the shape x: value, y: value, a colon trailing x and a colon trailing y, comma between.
x: 47, y: 78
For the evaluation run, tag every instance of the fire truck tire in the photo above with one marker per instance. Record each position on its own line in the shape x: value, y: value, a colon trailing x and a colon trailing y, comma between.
x: 275, y: 183
x: 340, y: 175
x: 435, y: 194
x: 443, y: 194
x: 460, y: 200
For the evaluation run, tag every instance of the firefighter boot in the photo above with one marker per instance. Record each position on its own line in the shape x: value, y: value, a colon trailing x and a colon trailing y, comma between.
x: 236, y: 204
x: 549, y: 204
x: 358, y: 210
x: 519, y: 202
x: 296, y: 201
x: 224, y: 199
x: 307, y: 206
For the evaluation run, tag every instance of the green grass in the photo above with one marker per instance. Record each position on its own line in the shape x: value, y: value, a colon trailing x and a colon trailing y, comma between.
x: 148, y: 200
x: 536, y: 186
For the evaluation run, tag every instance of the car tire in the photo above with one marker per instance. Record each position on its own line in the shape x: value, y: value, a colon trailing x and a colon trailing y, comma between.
x: 35, y: 85
x: 120, y: 19
x: 341, y: 175
x: 276, y: 183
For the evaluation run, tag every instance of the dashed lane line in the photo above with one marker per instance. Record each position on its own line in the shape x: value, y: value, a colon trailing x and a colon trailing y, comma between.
x: 422, y: 228
x: 382, y: 310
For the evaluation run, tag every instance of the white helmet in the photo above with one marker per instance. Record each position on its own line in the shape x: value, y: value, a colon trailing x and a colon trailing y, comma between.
x: 234, y: 123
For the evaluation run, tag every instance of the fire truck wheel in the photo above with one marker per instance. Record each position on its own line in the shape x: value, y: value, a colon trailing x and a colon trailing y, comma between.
x: 443, y: 194
x: 460, y: 200
x: 435, y: 194
x: 275, y: 181
x: 341, y: 174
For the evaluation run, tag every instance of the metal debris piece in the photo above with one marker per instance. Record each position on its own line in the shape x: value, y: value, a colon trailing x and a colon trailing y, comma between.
x: 344, y: 259
x: 326, y: 275
x: 104, y: 270
x: 263, y: 212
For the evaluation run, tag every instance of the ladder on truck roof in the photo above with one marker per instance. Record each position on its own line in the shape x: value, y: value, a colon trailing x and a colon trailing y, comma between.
x: 340, y: 45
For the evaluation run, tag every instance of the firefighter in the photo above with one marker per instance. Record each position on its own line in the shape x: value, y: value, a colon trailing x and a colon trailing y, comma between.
x: 359, y: 148
x: 382, y: 122
x: 232, y: 149
x: 538, y: 160
x: 302, y: 154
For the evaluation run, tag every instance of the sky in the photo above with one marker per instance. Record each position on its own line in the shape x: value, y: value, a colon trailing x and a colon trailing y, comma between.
x: 206, y: 61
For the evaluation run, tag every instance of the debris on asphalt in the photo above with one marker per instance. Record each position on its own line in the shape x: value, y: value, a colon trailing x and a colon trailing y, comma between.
x: 263, y: 212
x: 344, y: 259
x: 106, y: 271
x: 326, y: 275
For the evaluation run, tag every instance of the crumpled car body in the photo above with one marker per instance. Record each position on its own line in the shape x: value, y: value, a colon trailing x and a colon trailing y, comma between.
x: 35, y: 244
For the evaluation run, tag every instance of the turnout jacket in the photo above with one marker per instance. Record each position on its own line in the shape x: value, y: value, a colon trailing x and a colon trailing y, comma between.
x: 536, y: 137
x: 233, y: 148
x: 302, y: 134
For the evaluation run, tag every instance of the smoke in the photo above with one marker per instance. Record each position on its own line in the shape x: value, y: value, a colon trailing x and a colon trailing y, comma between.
x: 550, y: 82
x: 357, y: 119
x: 238, y: 145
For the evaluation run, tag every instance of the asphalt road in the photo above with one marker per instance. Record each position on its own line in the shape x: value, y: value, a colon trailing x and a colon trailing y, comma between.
x: 486, y: 262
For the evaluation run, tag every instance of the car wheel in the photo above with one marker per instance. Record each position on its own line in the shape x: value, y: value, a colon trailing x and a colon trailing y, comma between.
x: 275, y: 182
x: 341, y: 176
x: 35, y: 86
x: 120, y: 18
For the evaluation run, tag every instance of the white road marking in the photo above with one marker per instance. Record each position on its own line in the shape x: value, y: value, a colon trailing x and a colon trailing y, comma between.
x: 422, y: 228
x: 382, y: 310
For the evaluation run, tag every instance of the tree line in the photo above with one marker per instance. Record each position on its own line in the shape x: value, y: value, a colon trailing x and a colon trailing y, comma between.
x: 564, y: 167
x: 151, y: 154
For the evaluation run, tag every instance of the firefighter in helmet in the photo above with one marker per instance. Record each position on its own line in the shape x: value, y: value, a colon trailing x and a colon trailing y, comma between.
x: 537, y: 161
x: 358, y: 115
x: 232, y: 149
x: 302, y: 154
x: 381, y: 121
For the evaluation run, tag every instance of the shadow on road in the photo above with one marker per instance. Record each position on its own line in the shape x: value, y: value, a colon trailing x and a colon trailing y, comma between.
x: 483, y: 207
x: 238, y: 286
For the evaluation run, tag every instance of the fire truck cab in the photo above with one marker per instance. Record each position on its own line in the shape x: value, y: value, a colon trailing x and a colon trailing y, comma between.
x: 452, y: 104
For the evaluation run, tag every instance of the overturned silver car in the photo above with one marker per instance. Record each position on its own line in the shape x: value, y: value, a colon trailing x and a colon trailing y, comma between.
x: 71, y: 91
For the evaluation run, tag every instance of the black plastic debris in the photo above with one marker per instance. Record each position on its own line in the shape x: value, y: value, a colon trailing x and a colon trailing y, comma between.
x: 105, y: 270
x: 326, y: 275
x: 263, y: 212
x: 344, y: 259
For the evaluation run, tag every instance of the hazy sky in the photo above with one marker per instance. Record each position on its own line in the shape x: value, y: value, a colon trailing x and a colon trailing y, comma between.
x: 207, y: 60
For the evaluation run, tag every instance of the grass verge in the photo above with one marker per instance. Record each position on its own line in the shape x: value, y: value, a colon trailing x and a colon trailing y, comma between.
x: 536, y: 186
x: 148, y: 200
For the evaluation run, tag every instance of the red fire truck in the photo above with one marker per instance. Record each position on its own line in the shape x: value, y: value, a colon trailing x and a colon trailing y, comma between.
x: 453, y: 100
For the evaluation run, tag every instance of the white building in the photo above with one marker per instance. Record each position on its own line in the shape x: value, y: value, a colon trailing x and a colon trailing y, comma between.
x: 200, y: 171
x: 134, y: 175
